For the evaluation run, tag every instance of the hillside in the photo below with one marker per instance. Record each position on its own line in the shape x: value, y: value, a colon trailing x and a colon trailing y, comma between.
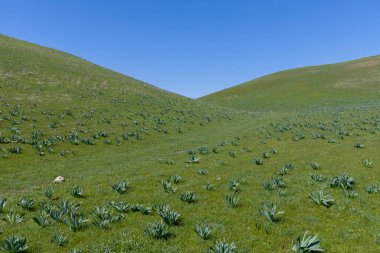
x: 319, y: 87
x: 49, y: 98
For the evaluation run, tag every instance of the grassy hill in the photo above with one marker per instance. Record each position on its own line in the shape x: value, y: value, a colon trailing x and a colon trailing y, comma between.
x: 51, y: 98
x: 326, y: 86
x: 150, y: 171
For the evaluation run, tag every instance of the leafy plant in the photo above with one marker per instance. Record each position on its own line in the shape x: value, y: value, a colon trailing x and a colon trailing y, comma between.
x: 209, y: 186
x: 49, y: 192
x: 269, y: 211
x: 234, y: 184
x: 278, y: 182
x: 223, y: 247
x: 359, y: 145
x: 259, y: 161
x: 368, y: 163
x: 191, y: 152
x: 121, y: 187
x: 175, y: 179
x: 268, y: 185
x: 76, y: 221
x: 42, y: 219
x: 59, y: 239
x: 194, y: 159
x: 289, y: 166
x: 202, y: 172
x: 317, y: 177
x: 122, y: 206
x: 215, y: 150
x: 102, y: 213
x: 103, y: 224
x: 274, y: 151
x: 235, y: 143
x: 161, y: 208
x: 281, y: 193
x: 283, y: 171
x: 232, y: 200
x: 307, y: 244
x: 233, y: 154
x: 15, y: 150
x: 167, y: 185
x: 14, y: 244
x: 223, y: 143
x: 203, y: 150
x: 314, y: 165
x: 76, y: 191
x: 57, y: 215
x: 247, y: 149
x: 26, y: 203
x: 169, y: 162
x: 13, y: 218
x: 68, y: 207
x: 371, y: 189
x: 88, y: 141
x: 349, y: 193
x: 141, y: 208
x: 343, y: 180
x: 115, y: 218
x: 169, y: 216
x: 321, y: 198
x: 203, y: 230
x: 157, y: 230
x: 188, y: 196
x: 3, y: 202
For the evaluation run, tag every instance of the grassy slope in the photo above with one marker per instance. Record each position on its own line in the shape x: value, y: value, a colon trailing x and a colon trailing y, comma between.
x: 127, y: 106
x: 57, y: 94
x: 325, y: 86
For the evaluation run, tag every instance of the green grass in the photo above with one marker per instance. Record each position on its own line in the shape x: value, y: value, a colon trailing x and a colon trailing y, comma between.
x: 309, y: 88
x: 151, y: 155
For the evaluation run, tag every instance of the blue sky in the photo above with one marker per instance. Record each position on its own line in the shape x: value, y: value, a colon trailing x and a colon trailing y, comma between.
x: 200, y: 46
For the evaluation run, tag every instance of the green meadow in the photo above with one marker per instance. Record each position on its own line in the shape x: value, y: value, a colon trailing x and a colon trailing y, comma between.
x: 249, y: 169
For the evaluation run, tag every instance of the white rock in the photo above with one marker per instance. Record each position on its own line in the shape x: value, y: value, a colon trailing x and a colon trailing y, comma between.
x: 59, y: 179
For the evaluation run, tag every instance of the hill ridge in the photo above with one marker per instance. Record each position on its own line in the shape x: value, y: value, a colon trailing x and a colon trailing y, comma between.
x: 263, y: 93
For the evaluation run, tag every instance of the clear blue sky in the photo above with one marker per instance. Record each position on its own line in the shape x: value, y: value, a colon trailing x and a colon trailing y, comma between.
x: 196, y: 47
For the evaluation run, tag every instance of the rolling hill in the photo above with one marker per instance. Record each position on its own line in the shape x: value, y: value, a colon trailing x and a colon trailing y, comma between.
x: 51, y: 98
x: 319, y: 87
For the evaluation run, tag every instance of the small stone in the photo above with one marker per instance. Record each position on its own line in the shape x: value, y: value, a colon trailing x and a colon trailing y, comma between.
x: 59, y: 179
